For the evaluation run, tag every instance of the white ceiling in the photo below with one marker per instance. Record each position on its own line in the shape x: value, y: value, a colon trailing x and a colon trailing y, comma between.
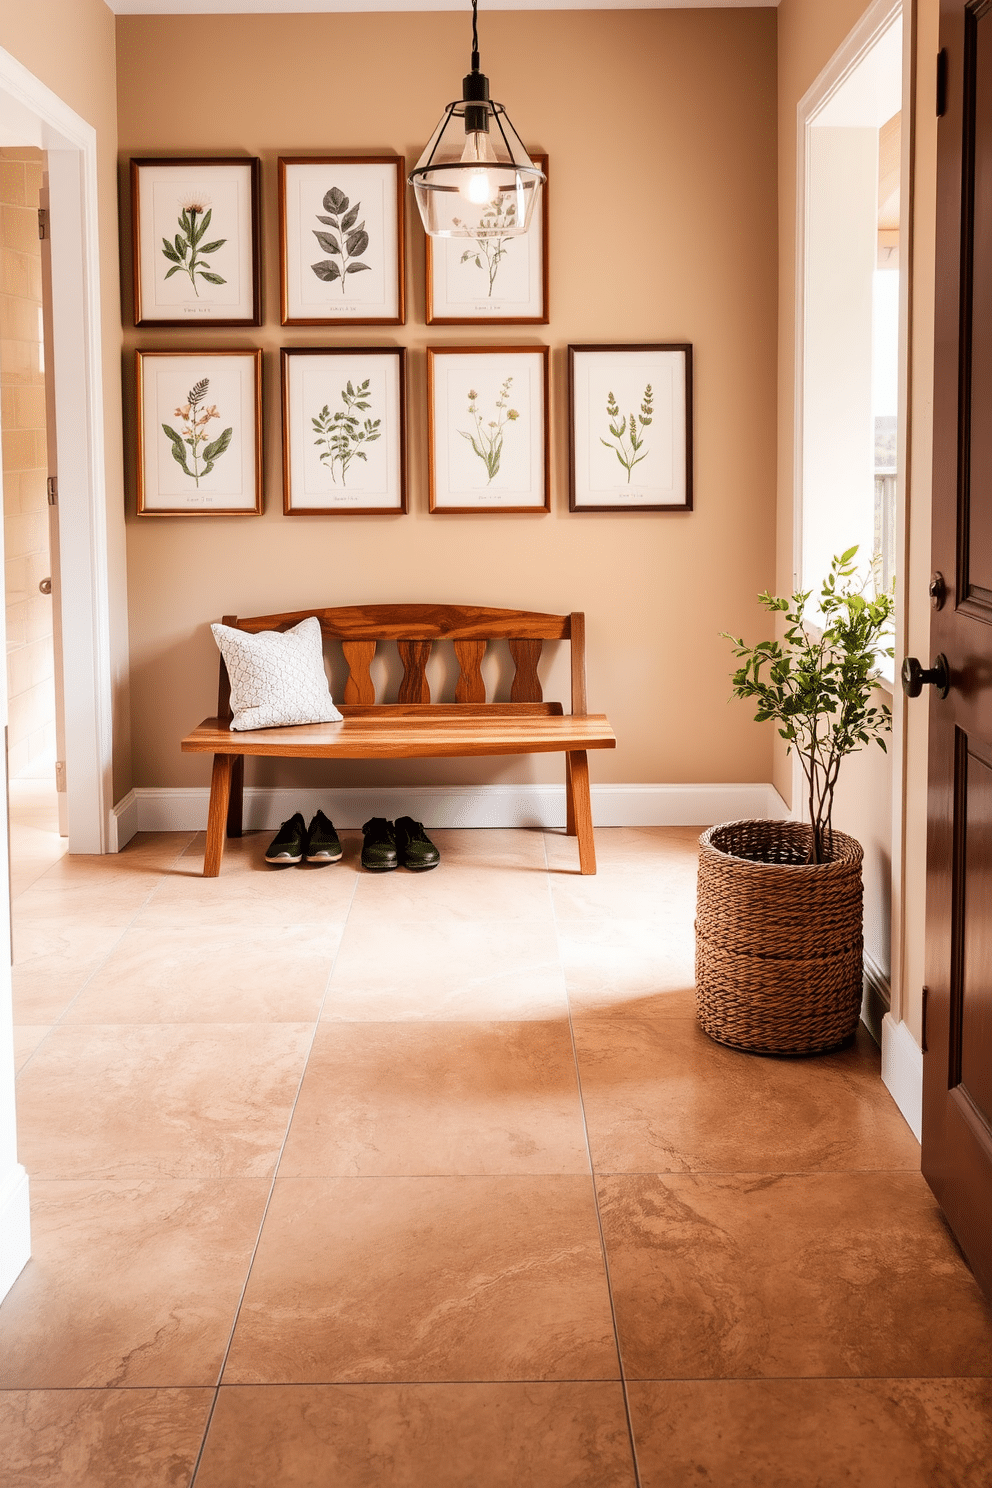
x: 270, y: 7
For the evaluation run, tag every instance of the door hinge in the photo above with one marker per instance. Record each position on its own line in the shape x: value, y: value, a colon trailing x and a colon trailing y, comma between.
x: 941, y: 82
x: 53, y: 490
x: 923, y: 1029
x: 60, y: 775
x: 43, y: 222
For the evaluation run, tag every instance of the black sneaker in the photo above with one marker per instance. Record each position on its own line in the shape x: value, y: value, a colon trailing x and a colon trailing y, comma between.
x: 288, y: 845
x: 323, y: 843
x: 379, y: 847
x: 416, y: 850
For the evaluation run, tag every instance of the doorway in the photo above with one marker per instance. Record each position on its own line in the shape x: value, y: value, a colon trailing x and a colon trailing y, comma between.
x: 35, y: 763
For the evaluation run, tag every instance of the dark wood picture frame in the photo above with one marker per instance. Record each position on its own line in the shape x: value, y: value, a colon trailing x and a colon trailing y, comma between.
x: 494, y: 352
x: 139, y: 246
x: 681, y: 429
x: 443, y: 246
x: 397, y: 164
x: 287, y: 356
x: 141, y: 357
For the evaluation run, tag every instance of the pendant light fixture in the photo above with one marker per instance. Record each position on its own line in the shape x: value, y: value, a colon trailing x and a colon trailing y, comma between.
x: 475, y: 179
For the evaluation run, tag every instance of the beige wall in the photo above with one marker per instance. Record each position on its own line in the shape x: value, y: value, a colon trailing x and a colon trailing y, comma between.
x: 661, y: 130
x: 69, y: 46
x: 30, y: 666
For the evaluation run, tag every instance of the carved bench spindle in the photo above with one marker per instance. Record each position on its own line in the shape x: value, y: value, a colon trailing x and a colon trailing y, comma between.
x: 470, y: 687
x: 414, y: 655
x: 526, y: 686
x: 359, y: 687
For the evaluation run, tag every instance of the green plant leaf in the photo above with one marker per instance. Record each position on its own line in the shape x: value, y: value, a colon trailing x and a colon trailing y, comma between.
x: 220, y: 444
x: 176, y: 269
x: 169, y: 251
x: 178, y: 448
x: 182, y: 247
x: 214, y: 246
x: 211, y: 278
x: 204, y: 223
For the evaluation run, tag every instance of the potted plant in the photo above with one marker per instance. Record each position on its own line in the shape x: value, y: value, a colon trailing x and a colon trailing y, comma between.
x: 779, y: 912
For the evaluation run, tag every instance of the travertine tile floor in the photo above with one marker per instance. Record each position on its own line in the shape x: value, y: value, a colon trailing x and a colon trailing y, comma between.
x: 432, y: 1182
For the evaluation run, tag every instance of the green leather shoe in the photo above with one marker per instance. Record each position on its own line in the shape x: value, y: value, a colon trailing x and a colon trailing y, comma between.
x: 379, y: 847
x: 323, y: 843
x: 416, y: 850
x: 288, y: 845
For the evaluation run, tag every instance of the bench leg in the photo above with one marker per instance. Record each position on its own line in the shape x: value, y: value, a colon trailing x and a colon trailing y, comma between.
x: 578, y: 777
x: 569, y: 806
x: 220, y: 791
x: 235, y: 819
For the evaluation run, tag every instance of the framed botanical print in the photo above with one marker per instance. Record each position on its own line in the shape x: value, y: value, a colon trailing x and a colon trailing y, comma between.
x: 343, y: 429
x: 195, y: 238
x: 492, y: 280
x: 341, y: 239
x: 630, y: 428
x: 488, y: 428
x: 199, y: 433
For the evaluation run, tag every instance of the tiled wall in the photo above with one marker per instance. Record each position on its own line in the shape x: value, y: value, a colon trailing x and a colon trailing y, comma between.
x: 31, y: 712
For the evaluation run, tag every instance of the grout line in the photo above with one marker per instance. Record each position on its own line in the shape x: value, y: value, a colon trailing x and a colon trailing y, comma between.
x: 595, y: 1197
x: 269, y: 1196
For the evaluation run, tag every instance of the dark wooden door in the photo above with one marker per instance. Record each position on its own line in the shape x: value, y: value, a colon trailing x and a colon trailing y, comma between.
x: 957, y: 1079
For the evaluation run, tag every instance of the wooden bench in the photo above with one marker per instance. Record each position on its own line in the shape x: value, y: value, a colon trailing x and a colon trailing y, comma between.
x: 413, y: 727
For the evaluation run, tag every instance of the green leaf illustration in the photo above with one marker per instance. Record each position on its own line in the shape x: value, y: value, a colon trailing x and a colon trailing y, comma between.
x: 213, y: 247
x: 219, y: 445
x: 178, y: 449
x: 211, y: 278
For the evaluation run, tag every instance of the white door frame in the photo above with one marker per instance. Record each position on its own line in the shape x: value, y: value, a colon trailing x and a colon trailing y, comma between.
x: 32, y: 114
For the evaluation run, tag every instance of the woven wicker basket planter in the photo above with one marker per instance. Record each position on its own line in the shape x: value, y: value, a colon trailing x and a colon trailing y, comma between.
x: 778, y: 940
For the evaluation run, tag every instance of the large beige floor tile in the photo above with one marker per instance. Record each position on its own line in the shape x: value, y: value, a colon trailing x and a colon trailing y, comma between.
x: 438, y: 1098
x: 53, y: 959
x: 665, y: 895
x: 662, y: 1097
x: 129, y: 1283
x: 428, y: 1279
x: 503, y: 847
x: 99, y: 1438
x: 628, y: 968
x: 647, y: 849
x: 160, y: 1101
x: 462, y: 889
x: 248, y: 892
x: 419, y: 1436
x: 230, y: 975
x: 27, y: 1037
x: 443, y: 970
x: 884, y: 1433
x: 111, y: 898
x: 836, y: 1274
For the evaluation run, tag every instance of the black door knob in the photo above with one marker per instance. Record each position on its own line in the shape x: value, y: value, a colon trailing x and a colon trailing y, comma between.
x: 915, y: 678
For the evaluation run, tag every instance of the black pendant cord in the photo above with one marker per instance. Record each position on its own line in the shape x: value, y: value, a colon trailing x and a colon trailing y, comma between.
x: 475, y: 35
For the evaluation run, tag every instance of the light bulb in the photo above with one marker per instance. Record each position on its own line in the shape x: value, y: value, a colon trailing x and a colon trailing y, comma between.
x: 478, y: 185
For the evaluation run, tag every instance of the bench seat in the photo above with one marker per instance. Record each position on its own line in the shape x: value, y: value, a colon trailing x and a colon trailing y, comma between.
x: 414, y: 727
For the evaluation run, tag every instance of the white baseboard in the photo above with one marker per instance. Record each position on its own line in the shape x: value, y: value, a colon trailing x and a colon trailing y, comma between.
x: 123, y: 822
x: 877, y: 997
x: 15, y: 1228
x: 153, y: 809
x: 902, y: 1072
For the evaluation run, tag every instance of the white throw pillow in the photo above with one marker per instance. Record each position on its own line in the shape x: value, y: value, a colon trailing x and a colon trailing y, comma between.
x: 277, y: 676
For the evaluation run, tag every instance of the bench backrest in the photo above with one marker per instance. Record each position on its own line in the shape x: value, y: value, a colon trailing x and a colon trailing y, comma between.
x: 414, y: 628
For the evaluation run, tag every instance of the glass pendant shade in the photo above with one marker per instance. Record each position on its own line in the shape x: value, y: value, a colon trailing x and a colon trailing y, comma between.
x: 475, y: 179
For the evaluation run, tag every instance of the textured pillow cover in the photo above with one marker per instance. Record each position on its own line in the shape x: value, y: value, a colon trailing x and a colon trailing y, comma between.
x: 277, y: 676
